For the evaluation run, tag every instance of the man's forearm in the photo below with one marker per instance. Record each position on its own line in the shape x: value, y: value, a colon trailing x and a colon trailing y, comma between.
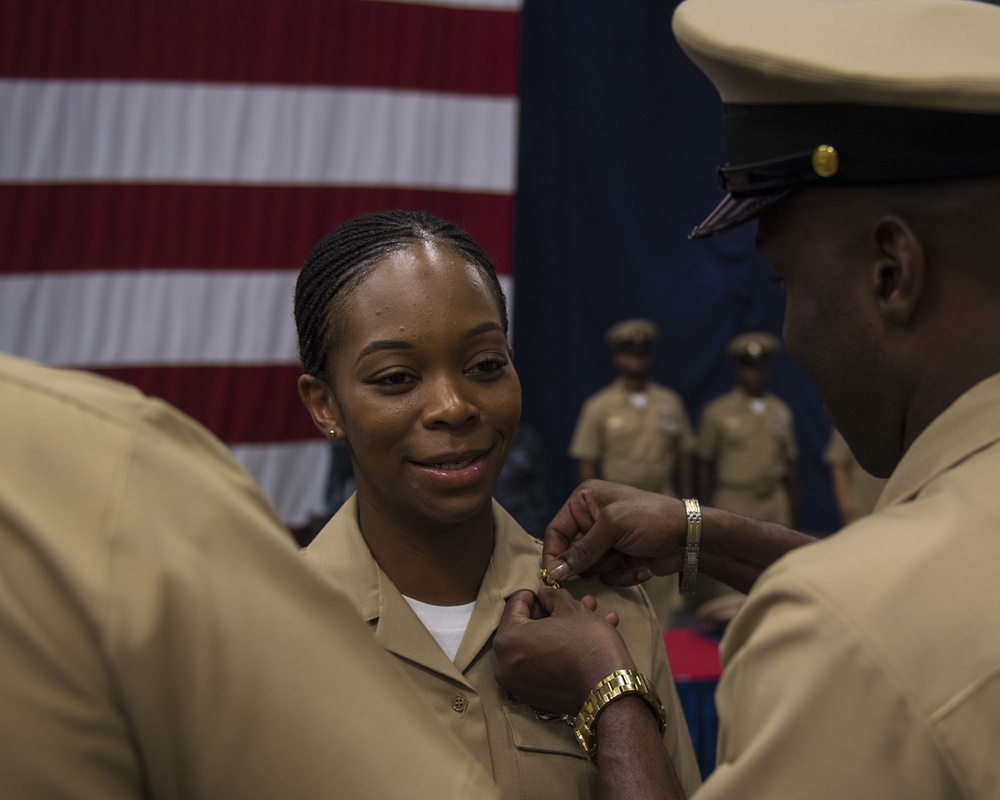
x: 737, y: 549
x: 631, y: 759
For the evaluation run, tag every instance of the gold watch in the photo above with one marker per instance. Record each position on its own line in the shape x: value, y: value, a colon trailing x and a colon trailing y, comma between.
x: 617, y: 684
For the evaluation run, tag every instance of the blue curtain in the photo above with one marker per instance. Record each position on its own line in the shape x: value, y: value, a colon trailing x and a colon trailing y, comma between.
x: 619, y: 141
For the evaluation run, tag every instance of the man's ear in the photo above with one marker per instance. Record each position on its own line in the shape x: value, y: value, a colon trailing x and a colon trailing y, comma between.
x: 899, y: 272
x: 322, y: 406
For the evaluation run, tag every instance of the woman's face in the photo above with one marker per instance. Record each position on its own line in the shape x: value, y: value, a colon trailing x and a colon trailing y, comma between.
x: 424, y: 387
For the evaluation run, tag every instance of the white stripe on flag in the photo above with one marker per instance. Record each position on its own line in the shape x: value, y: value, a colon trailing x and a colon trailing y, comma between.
x: 292, y: 475
x: 109, y: 131
x: 148, y: 318
x: 119, y: 319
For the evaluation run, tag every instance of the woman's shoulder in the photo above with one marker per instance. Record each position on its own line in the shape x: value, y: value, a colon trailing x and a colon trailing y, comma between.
x: 516, y: 548
x: 602, y: 592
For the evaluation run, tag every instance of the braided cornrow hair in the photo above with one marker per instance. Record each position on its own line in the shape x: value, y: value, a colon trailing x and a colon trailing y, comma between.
x: 343, y: 258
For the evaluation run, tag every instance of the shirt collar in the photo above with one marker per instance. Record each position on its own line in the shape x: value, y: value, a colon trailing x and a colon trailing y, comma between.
x: 968, y: 425
x: 344, y: 554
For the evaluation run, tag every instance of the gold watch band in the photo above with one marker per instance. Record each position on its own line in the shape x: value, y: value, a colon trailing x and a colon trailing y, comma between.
x: 617, y: 684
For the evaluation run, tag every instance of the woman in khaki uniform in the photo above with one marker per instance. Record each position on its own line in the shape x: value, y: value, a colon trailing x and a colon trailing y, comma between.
x: 402, y: 330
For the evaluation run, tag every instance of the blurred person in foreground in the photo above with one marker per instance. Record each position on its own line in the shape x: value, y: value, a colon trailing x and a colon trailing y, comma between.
x: 863, y: 136
x: 160, y: 634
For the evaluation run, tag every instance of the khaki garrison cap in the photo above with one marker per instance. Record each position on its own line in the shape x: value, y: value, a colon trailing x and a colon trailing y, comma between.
x: 753, y: 347
x: 846, y: 92
x: 631, y: 331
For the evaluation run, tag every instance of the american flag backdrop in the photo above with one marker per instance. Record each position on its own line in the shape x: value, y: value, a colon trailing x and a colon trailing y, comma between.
x: 165, y: 167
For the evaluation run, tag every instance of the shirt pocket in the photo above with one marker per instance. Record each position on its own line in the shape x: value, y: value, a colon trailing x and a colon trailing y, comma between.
x: 550, y: 760
x: 542, y: 735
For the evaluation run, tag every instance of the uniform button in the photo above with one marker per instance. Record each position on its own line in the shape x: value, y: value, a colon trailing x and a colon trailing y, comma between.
x: 459, y: 704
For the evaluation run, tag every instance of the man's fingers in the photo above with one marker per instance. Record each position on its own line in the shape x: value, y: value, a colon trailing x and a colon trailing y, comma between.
x: 556, y: 600
x: 520, y: 608
x: 584, y: 552
x: 559, y: 534
x: 566, y: 527
x: 573, y: 520
x: 590, y: 603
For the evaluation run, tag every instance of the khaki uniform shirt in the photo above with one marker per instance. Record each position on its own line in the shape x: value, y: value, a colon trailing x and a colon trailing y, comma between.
x: 751, y: 453
x: 160, y: 634
x: 528, y: 758
x: 868, y: 665
x: 635, y: 446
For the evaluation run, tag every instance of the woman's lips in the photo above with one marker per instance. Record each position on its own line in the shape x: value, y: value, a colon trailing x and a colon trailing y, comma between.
x: 454, y: 471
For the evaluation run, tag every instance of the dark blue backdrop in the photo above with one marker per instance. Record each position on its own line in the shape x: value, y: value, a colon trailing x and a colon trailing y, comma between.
x: 620, y: 139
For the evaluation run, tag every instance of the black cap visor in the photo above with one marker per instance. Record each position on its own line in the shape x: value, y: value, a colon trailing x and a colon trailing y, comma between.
x: 774, y: 150
x: 732, y: 212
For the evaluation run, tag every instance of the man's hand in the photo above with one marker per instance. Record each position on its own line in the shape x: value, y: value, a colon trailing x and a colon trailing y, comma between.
x: 626, y: 535
x: 623, y: 534
x: 553, y: 649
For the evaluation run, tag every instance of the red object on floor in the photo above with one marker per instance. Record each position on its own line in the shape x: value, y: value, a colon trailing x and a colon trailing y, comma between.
x: 693, y: 656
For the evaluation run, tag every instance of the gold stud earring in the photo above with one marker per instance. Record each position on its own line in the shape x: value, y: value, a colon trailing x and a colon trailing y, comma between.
x: 333, y: 433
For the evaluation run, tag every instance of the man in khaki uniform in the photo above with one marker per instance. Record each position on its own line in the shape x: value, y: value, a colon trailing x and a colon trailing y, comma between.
x: 160, y: 634
x: 637, y: 432
x: 747, y: 458
x: 746, y: 440
x: 855, y: 490
x: 863, y: 135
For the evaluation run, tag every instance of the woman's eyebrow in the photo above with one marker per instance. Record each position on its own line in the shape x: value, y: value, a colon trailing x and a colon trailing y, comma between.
x: 396, y: 344
x: 485, y: 327
x: 382, y: 344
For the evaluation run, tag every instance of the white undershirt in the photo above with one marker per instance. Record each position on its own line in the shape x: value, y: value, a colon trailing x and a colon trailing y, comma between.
x: 446, y: 624
x: 638, y: 399
x: 757, y: 405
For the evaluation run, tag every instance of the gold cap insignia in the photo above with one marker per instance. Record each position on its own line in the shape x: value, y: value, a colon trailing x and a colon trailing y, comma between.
x: 825, y: 161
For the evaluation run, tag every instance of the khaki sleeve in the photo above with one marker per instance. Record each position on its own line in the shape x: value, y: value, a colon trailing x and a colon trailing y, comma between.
x: 806, y: 710
x: 171, y: 640
x: 274, y: 685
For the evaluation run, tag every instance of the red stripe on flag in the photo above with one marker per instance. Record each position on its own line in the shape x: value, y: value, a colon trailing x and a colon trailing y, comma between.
x: 261, y: 41
x: 80, y: 227
x: 240, y: 405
